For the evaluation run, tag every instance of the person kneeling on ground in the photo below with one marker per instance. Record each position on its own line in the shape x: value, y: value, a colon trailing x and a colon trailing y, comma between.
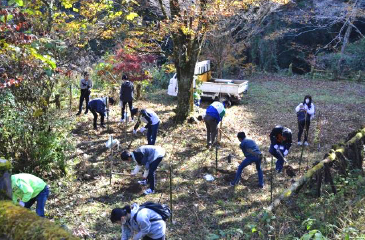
x: 148, y: 156
x: 281, y: 140
x: 252, y: 155
x: 150, y: 117
x: 98, y: 105
x: 213, y: 115
x: 139, y: 223
x: 27, y: 188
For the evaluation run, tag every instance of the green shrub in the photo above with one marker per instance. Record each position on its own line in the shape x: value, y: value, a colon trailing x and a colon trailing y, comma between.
x: 30, y: 138
x: 353, y: 59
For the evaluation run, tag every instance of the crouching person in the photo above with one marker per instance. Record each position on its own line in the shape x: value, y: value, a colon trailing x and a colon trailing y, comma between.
x: 99, y: 105
x: 139, y: 223
x: 281, y: 140
x: 27, y: 189
x: 152, y: 122
x: 148, y: 156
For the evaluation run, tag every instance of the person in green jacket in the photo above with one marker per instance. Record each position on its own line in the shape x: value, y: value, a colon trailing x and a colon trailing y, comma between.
x: 27, y: 189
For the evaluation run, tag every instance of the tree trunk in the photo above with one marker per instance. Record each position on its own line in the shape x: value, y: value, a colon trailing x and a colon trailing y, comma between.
x: 186, y: 53
x: 184, y: 96
x: 138, y: 90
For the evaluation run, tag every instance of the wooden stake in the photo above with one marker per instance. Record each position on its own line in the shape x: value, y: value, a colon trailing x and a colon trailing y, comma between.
x: 216, y: 159
x: 111, y: 159
x: 305, y: 135
x: 107, y: 113
x: 171, y: 192
x: 271, y: 179
x: 70, y: 97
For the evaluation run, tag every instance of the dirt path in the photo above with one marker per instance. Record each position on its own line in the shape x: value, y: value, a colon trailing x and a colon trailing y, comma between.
x: 84, y: 199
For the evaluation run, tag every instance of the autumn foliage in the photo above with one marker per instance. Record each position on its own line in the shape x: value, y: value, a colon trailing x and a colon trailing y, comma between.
x: 133, y: 64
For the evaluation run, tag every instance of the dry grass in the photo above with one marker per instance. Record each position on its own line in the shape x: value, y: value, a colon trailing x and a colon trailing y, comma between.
x: 85, y: 198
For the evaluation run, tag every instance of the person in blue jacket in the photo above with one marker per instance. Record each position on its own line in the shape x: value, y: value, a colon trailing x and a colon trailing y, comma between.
x: 252, y: 155
x: 98, y: 105
x: 213, y: 115
x: 281, y: 140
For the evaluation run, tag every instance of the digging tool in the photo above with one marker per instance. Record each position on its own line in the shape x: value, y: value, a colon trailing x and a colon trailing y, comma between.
x: 280, y: 153
x: 222, y: 132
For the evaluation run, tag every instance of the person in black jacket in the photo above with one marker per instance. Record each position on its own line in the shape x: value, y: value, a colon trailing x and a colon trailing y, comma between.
x: 85, y: 86
x: 152, y: 122
x: 98, y: 105
x: 126, y: 96
x: 281, y: 140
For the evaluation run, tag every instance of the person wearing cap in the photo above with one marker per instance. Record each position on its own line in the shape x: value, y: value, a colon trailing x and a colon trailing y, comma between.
x: 138, y: 223
x: 305, y: 113
x: 126, y: 96
x: 213, y: 115
x: 252, y: 155
x: 27, y: 189
x: 85, y: 86
x: 99, y: 105
x: 281, y: 140
x: 152, y: 122
x: 149, y: 157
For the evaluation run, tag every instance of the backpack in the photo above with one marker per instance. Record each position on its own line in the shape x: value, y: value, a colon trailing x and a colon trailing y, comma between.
x: 163, y: 210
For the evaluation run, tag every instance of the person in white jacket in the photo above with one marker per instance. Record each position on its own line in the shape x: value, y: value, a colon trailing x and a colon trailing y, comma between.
x: 147, y: 225
x: 305, y: 113
x: 148, y: 156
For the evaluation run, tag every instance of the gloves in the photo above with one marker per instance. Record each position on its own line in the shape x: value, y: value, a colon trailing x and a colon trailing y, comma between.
x: 286, y: 152
x: 142, y: 129
x: 21, y: 203
x: 276, y: 146
x: 281, y: 147
x: 145, y: 173
x: 136, y: 170
x: 134, y: 132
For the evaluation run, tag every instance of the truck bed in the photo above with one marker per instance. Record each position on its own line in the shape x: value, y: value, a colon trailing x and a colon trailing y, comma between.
x: 226, y: 86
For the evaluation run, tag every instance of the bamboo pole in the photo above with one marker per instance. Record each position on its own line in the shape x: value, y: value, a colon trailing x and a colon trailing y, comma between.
x: 301, y: 181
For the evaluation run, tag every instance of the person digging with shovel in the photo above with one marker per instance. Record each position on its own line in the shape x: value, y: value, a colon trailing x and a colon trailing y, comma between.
x: 139, y: 223
x: 99, y: 105
x: 281, y: 140
x: 152, y: 122
x: 149, y: 157
x: 213, y: 115
x: 252, y: 155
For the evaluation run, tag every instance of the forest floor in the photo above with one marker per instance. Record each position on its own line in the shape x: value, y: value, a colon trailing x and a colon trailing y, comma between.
x: 82, y: 201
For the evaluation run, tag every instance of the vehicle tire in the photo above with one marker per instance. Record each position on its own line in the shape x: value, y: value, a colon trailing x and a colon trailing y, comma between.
x: 223, y: 99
